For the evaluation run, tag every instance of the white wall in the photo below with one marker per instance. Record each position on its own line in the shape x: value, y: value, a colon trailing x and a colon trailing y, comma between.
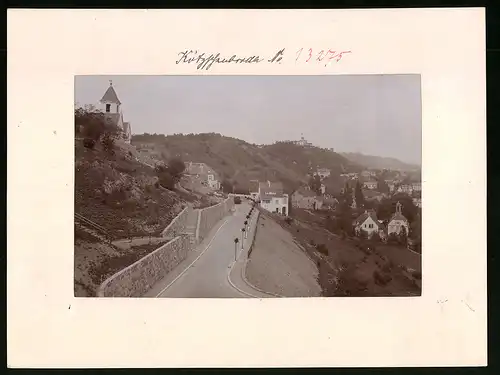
x: 395, y: 226
x: 369, y: 226
x: 115, y: 108
x: 276, y: 203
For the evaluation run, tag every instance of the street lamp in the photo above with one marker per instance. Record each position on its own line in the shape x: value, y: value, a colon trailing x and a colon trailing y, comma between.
x: 242, y: 237
x: 235, y: 247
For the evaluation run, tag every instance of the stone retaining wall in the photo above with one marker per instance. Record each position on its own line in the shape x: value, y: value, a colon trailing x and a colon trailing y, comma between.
x: 177, y: 226
x: 138, y: 278
x: 212, y: 215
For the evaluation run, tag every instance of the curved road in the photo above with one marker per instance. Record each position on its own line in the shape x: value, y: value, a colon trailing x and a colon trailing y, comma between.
x: 206, y: 272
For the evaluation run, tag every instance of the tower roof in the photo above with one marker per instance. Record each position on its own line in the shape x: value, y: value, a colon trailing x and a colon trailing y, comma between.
x: 110, y: 95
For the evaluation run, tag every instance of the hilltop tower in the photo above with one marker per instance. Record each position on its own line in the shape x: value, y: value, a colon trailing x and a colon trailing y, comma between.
x: 111, y: 106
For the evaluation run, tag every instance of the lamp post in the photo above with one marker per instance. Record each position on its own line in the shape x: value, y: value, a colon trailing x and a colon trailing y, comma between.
x: 242, y: 237
x: 235, y: 247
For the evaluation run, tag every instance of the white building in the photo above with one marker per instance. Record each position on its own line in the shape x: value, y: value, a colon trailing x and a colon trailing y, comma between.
x: 272, y: 198
x: 206, y: 174
x: 372, y: 185
x: 323, y: 172
x: 111, y: 106
x: 368, y: 223
x: 397, y: 221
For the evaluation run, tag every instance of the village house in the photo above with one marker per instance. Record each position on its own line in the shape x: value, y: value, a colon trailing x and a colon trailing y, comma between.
x: 272, y: 198
x: 349, y: 176
x: 306, y: 199
x: 323, y: 173
x: 372, y: 195
x: 329, y: 202
x: 369, y: 223
x: 405, y: 188
x: 208, y: 175
x: 371, y: 184
x: 391, y: 184
x: 416, y: 186
x: 110, y: 105
x: 302, y: 142
x: 397, y: 221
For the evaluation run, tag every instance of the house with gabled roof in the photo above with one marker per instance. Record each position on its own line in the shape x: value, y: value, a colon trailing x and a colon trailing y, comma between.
x: 306, y: 199
x: 369, y: 223
x: 272, y: 197
x: 110, y: 105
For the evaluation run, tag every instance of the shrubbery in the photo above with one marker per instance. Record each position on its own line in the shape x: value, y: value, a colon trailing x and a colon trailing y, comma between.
x: 171, y: 174
x: 93, y: 126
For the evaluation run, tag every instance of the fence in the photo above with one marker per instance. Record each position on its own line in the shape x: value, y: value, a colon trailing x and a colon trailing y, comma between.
x: 93, y: 225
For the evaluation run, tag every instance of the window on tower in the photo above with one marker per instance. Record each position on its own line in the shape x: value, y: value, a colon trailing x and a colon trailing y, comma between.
x: 108, y: 108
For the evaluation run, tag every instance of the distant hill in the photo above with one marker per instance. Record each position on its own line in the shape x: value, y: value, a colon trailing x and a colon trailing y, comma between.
x: 378, y: 162
x: 240, y: 161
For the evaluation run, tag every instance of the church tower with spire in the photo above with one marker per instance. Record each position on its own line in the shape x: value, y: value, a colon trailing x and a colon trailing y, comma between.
x: 110, y: 105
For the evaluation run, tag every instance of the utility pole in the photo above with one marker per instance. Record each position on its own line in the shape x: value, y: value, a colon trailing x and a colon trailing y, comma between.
x: 242, y: 237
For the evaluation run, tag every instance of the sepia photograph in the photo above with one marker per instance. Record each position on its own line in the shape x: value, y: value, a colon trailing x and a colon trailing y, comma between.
x: 248, y: 186
x: 307, y: 178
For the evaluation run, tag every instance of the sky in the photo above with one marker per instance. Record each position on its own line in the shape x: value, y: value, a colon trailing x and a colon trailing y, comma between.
x: 371, y: 114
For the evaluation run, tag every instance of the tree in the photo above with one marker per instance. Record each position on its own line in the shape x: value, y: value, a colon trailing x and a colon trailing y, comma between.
x: 315, y: 184
x: 176, y: 167
x: 167, y: 180
x: 92, y: 123
x: 227, y: 186
x: 402, y: 235
x: 416, y: 228
x: 382, y: 186
x: 346, y: 197
x: 358, y: 193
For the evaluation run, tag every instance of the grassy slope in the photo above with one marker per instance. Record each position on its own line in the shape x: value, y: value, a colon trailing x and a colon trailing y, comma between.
x: 240, y: 161
x: 118, y: 193
x: 398, y: 270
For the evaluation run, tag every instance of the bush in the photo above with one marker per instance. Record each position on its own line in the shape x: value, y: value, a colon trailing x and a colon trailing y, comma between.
x: 237, y: 200
x: 289, y: 220
x: 166, y: 180
x: 93, y: 123
x: 88, y: 143
x: 108, y: 143
x: 176, y: 167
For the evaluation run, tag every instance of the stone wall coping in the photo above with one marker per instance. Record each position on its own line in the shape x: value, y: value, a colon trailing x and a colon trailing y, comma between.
x: 174, y: 220
x: 100, y: 292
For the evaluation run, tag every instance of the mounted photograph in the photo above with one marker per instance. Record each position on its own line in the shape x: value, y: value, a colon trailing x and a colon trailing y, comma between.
x: 247, y: 186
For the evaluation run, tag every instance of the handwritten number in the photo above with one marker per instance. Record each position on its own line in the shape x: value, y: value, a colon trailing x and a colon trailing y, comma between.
x: 328, y: 55
x: 310, y: 54
x: 298, y: 54
x: 320, y: 55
